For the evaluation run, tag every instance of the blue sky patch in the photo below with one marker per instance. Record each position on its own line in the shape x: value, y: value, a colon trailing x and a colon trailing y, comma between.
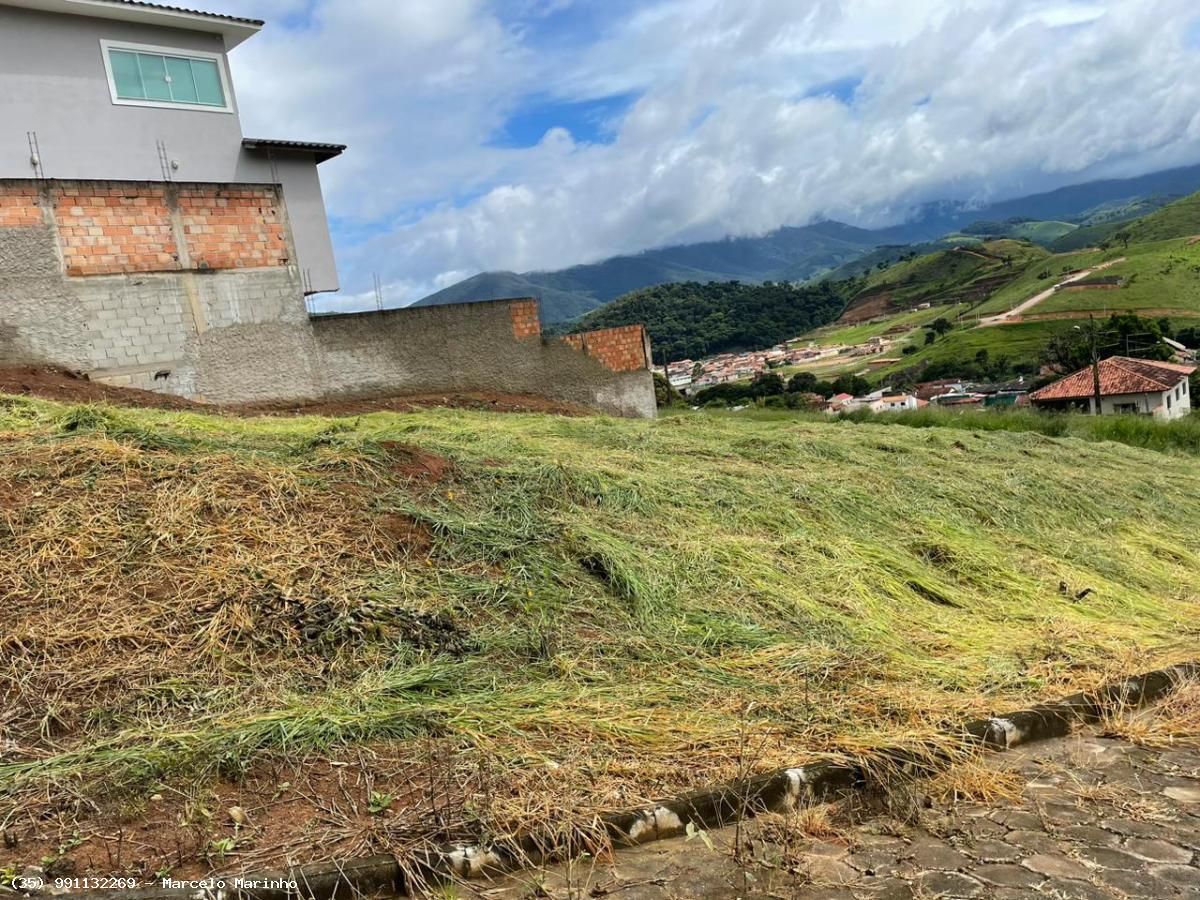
x: 589, y: 121
x: 842, y: 89
x: 1191, y: 34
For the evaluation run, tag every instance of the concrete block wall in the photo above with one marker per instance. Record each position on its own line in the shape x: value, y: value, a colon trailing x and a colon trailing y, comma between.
x: 192, y: 290
x: 155, y: 286
x: 488, y: 346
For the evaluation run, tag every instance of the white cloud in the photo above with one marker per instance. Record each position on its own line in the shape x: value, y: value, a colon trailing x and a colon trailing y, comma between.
x: 972, y: 98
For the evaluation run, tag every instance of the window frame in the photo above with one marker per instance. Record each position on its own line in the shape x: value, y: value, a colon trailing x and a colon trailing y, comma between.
x: 106, y: 46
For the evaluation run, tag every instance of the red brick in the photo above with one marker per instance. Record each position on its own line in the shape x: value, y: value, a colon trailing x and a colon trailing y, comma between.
x: 19, y: 207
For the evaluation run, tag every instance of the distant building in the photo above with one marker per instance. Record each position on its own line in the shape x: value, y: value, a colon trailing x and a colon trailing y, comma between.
x: 1182, y: 353
x: 1130, y: 386
x: 959, y: 399
x: 927, y: 390
x: 894, y: 403
x: 837, y: 403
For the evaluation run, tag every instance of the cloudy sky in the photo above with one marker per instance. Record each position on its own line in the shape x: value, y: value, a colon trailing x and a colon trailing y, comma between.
x: 535, y: 134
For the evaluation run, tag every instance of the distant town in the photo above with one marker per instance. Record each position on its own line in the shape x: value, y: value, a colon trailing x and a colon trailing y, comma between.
x: 1153, y: 388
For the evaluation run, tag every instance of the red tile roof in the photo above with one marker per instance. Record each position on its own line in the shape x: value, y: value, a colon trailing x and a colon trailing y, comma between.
x: 1118, y: 375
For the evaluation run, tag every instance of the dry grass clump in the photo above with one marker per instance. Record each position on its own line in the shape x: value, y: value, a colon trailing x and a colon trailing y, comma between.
x: 136, y: 585
x: 1174, y: 722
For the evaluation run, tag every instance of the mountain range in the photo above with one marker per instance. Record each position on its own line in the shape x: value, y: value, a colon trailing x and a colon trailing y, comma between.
x: 795, y: 254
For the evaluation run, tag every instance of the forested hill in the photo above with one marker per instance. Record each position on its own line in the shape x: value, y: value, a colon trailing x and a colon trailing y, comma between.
x: 692, y: 319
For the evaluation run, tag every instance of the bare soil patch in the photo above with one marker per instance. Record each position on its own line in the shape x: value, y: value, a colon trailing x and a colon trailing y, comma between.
x: 54, y: 383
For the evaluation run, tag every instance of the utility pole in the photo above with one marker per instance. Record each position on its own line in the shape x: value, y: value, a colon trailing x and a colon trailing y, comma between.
x: 667, y: 376
x: 1095, y: 363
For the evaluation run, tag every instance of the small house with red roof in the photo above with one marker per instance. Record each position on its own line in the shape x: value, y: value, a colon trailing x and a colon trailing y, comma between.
x: 1132, y: 386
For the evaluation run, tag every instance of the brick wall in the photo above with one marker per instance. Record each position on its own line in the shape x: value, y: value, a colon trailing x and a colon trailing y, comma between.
x: 525, y: 319
x: 619, y: 349
x: 233, y: 228
x: 19, y: 207
x: 109, y: 229
x: 112, y: 228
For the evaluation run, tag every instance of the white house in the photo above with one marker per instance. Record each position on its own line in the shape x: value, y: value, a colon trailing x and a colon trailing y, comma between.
x: 894, y: 403
x: 1127, y: 386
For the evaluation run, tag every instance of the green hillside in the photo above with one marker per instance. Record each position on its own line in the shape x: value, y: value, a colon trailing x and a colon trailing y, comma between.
x: 1022, y: 229
x: 694, y: 320
x: 1042, y: 232
x: 961, y: 274
x: 1047, y: 271
x: 1084, y: 237
x: 1161, y: 277
x: 1154, y: 258
x: 1019, y: 346
x: 787, y: 254
x: 469, y: 618
x: 1179, y: 219
x: 841, y: 334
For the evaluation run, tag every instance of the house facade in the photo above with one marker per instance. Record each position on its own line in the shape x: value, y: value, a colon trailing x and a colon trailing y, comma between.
x: 1128, y: 386
x: 132, y: 92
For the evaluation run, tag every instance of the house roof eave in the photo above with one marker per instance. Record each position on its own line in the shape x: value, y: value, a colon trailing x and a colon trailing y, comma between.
x: 233, y: 29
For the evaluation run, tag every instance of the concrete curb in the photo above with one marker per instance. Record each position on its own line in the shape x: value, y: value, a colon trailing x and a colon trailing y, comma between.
x: 778, y: 791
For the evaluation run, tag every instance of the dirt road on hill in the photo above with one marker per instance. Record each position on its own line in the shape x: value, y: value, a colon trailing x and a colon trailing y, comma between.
x: 1006, y: 318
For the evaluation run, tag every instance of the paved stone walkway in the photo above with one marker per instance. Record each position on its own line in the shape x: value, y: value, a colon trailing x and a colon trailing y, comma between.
x: 1097, y: 818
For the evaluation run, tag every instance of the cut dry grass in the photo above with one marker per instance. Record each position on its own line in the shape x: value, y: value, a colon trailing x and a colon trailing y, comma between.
x: 1175, y: 722
x: 600, y: 609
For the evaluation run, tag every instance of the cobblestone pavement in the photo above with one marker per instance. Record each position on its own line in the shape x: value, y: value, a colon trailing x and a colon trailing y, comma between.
x: 1096, y: 818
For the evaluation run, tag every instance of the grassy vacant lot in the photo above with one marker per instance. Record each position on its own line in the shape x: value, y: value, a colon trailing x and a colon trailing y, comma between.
x: 1043, y: 232
x: 1054, y: 268
x: 593, y: 611
x: 836, y: 335
x: 1024, y: 341
x: 1179, y: 437
x: 1160, y: 276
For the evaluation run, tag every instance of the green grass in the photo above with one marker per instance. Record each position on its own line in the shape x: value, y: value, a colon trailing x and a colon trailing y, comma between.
x: 1023, y: 342
x: 1042, y: 232
x: 1164, y: 275
x: 1181, y: 436
x: 626, y: 597
x: 1180, y: 219
x: 837, y: 335
x: 1055, y: 269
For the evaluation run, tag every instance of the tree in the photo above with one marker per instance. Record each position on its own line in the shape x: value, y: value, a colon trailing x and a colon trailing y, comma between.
x: 803, y: 383
x: 1124, y: 237
x: 1122, y: 334
x: 941, y: 325
x: 851, y: 384
x: 664, y: 394
x: 767, y: 384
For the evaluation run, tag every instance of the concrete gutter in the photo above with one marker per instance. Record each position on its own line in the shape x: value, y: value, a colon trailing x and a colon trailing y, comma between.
x: 778, y: 791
